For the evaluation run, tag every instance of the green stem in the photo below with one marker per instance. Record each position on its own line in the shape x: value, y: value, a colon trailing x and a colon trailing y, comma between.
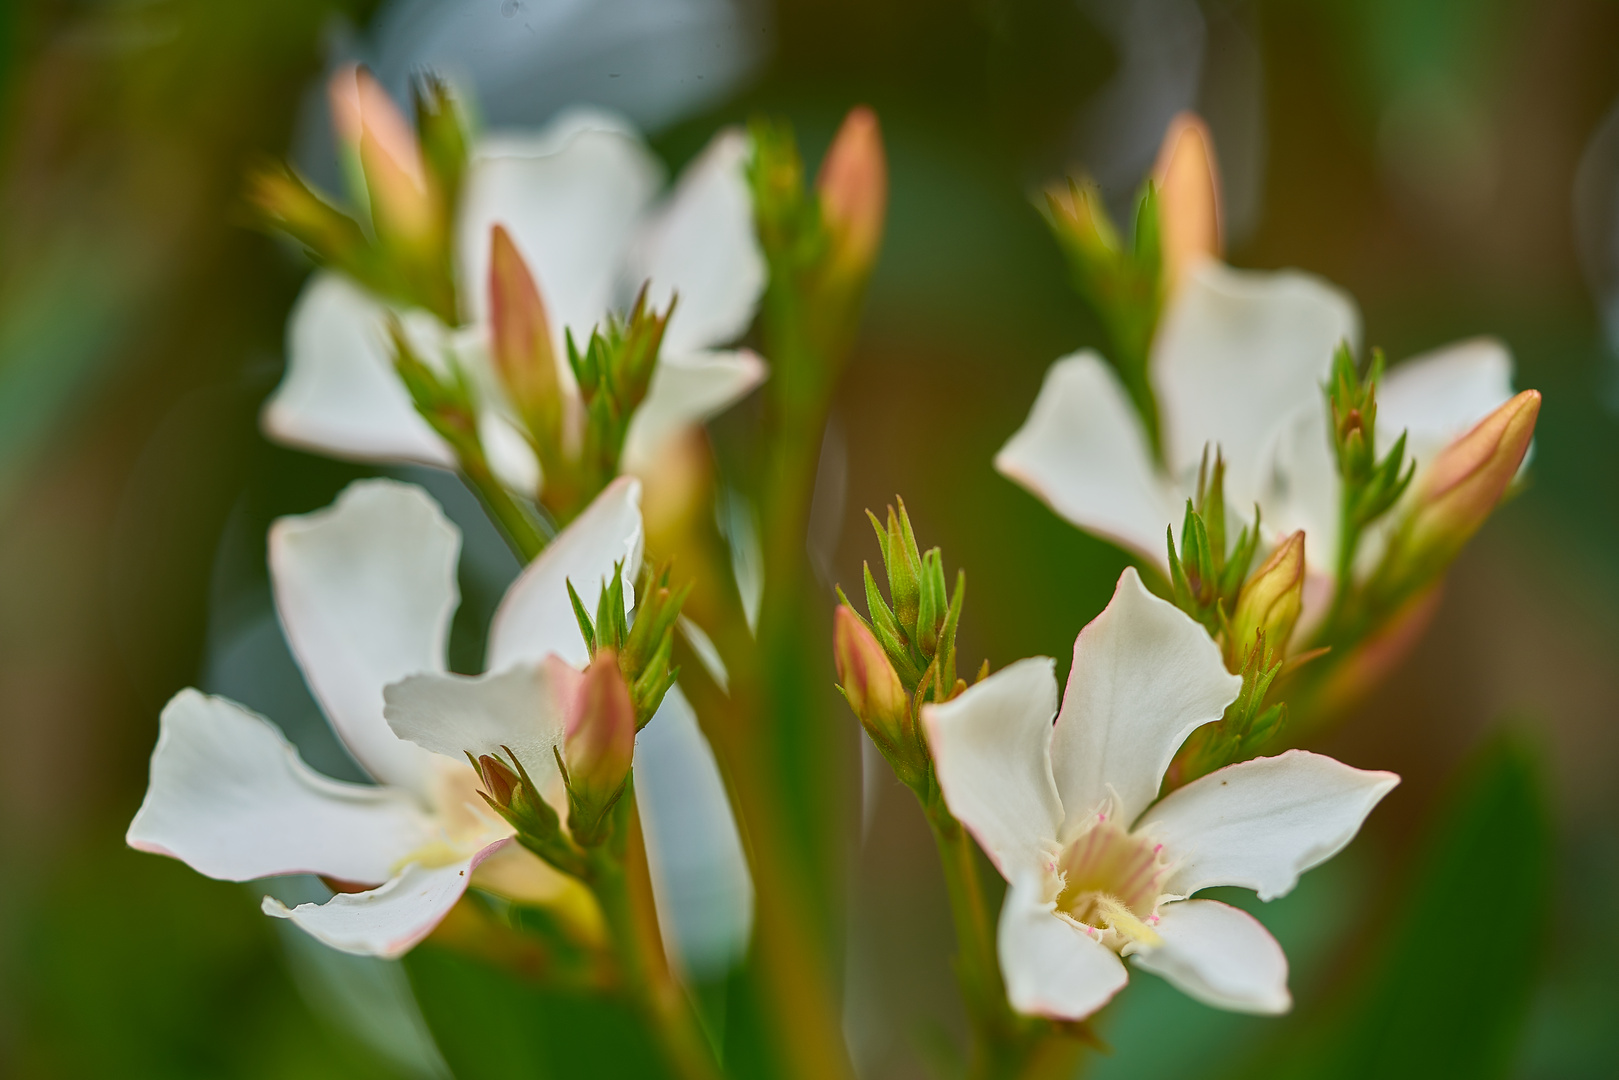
x: 977, y: 965
x: 619, y: 877
x: 521, y: 531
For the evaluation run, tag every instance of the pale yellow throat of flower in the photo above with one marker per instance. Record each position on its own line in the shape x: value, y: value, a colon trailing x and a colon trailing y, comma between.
x: 1110, y: 882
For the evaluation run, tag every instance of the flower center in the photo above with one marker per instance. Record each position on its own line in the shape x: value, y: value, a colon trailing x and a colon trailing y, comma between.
x: 1111, y: 883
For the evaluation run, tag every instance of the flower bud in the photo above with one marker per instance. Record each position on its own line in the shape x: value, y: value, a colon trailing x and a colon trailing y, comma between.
x: 853, y: 185
x: 1270, y: 602
x: 869, y: 682
x: 520, y: 339
x: 1081, y: 221
x: 1188, y: 197
x: 374, y: 130
x: 600, y: 737
x: 1462, y: 487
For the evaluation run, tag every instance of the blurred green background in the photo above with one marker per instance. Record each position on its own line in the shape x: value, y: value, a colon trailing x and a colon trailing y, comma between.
x: 1453, y: 163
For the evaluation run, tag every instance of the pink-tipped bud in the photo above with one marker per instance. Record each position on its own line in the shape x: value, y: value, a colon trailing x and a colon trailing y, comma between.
x: 600, y: 737
x: 869, y: 682
x: 1188, y: 197
x: 1270, y: 602
x: 520, y: 337
x: 376, y: 132
x: 853, y: 186
x: 1465, y: 482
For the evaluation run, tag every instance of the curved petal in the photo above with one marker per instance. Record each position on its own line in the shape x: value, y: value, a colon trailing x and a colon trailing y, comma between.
x: 455, y: 715
x: 1144, y: 676
x: 365, y: 590
x: 1084, y: 453
x: 388, y: 921
x: 1261, y: 823
x: 571, y: 199
x: 535, y: 618
x: 1219, y: 955
x: 1440, y: 395
x: 1237, y: 352
x: 700, y: 244
x: 687, y: 389
x: 340, y: 395
x: 992, y: 753
x: 699, y: 872
x: 1052, y: 968
x: 231, y: 798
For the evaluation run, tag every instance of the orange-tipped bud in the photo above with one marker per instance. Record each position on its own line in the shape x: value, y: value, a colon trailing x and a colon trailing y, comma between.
x: 853, y: 186
x: 869, y: 682
x: 376, y: 132
x: 1270, y: 602
x: 600, y: 739
x: 499, y: 780
x: 1464, y: 484
x: 520, y: 338
x: 1188, y: 197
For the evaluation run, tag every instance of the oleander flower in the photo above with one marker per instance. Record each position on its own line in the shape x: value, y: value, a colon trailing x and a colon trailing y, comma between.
x: 580, y: 201
x: 1099, y: 867
x: 1238, y: 363
x: 365, y: 591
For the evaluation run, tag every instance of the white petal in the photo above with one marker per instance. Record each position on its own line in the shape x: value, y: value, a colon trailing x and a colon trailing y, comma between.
x: 1260, y: 824
x: 571, y: 201
x: 520, y: 707
x: 1301, y: 490
x: 340, y: 395
x: 511, y: 458
x: 1084, y: 452
x: 231, y: 798
x: 1236, y: 354
x: 1144, y: 676
x: 1219, y: 955
x: 1440, y: 395
x: 687, y: 389
x: 365, y: 590
x: 701, y: 245
x: 992, y: 752
x: 1051, y: 967
x: 699, y: 873
x: 535, y: 618
x: 387, y: 921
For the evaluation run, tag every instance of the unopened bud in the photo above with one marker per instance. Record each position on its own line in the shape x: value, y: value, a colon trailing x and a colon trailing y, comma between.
x: 600, y: 738
x: 1081, y: 221
x: 1188, y: 197
x: 374, y: 130
x: 853, y: 185
x: 1464, y: 484
x: 1270, y: 602
x: 520, y: 339
x: 500, y: 782
x: 869, y: 682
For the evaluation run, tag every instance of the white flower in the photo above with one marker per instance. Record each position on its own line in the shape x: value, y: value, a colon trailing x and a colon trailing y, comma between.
x: 579, y: 198
x: 1097, y: 870
x: 365, y: 591
x: 1238, y: 362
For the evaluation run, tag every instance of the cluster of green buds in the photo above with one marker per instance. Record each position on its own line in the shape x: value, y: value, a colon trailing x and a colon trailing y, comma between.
x: 1122, y: 281
x: 405, y: 182
x: 577, y: 432
x: 1205, y: 575
x: 820, y: 244
x: 618, y: 693
x: 905, y: 657
x: 643, y: 646
x: 1250, y: 616
x: 1370, y: 485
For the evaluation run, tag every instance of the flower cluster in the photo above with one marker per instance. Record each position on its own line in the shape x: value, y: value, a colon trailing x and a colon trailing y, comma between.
x: 533, y: 313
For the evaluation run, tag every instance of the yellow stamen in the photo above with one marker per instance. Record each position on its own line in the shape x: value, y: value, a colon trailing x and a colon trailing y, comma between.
x: 1115, y: 916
